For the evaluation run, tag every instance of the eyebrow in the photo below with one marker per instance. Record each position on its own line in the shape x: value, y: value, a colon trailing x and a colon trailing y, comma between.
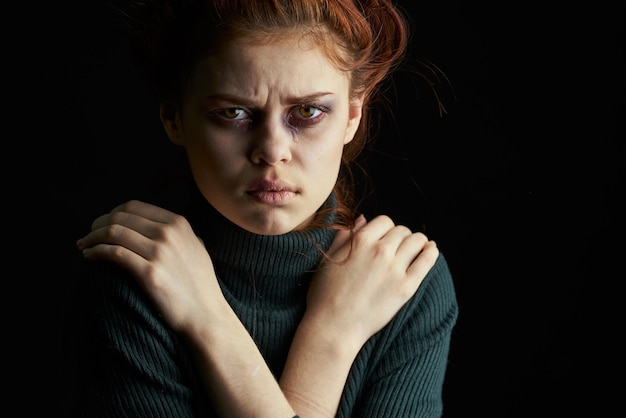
x: 249, y: 103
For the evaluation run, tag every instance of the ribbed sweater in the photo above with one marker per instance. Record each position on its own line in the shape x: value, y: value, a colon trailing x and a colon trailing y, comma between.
x: 122, y: 360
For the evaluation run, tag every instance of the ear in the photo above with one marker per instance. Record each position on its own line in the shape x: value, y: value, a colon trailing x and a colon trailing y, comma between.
x: 354, y: 118
x: 170, y: 118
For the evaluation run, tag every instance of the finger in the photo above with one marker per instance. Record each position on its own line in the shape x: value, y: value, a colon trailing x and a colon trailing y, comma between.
x: 375, y: 229
x: 395, y: 236
x: 425, y: 260
x: 139, y: 223
x: 343, y: 236
x: 411, y: 246
x: 118, y: 235
x: 129, y: 260
x: 144, y: 210
x: 359, y: 222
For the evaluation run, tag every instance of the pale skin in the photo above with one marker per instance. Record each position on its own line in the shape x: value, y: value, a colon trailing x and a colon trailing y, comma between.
x: 264, y: 126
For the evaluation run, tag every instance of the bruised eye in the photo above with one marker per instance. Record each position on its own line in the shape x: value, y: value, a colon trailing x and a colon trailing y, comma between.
x: 308, y: 112
x: 305, y: 115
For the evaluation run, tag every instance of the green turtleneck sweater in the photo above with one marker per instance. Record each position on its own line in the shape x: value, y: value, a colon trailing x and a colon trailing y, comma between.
x: 122, y: 360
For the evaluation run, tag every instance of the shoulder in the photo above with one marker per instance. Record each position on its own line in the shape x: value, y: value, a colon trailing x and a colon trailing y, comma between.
x: 102, y: 297
x: 428, y: 318
x: 437, y: 287
x: 415, y: 342
x: 433, y: 310
x: 115, y: 345
x: 96, y: 282
x: 108, y: 316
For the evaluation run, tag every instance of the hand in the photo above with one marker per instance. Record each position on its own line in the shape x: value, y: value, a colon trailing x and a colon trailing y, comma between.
x: 371, y: 279
x: 366, y: 281
x: 160, y: 249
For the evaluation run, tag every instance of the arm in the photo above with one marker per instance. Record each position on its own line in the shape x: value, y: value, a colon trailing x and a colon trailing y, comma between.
x: 119, y: 358
x: 382, y: 270
x: 401, y: 370
x: 159, y: 249
x: 170, y: 263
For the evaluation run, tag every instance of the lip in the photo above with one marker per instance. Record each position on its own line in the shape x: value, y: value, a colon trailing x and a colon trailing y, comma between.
x: 271, y: 192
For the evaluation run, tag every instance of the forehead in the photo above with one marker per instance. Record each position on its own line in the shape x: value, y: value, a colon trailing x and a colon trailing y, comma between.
x: 289, y: 61
x: 308, y: 35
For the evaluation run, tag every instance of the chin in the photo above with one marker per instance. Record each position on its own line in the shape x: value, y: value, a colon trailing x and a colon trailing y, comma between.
x: 265, y: 230
x: 268, y: 225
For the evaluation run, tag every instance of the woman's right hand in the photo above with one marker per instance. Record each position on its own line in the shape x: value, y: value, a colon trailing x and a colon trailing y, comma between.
x: 162, y: 252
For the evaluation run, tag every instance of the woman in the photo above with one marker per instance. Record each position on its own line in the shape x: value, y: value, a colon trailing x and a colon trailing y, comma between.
x: 256, y: 291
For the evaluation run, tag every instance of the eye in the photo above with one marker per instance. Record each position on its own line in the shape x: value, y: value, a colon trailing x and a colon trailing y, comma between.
x: 233, y: 113
x: 308, y: 112
x: 229, y: 116
x: 306, y: 115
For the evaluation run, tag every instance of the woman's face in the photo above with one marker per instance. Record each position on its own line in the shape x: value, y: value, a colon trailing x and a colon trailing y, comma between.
x: 264, y: 126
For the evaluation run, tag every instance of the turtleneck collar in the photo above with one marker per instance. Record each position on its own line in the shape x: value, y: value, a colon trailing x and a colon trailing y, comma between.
x: 269, y: 266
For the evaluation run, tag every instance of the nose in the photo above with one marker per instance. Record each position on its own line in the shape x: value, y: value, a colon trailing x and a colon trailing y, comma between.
x: 272, y: 142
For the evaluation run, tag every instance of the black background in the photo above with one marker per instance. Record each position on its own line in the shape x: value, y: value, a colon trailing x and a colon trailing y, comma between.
x: 520, y: 182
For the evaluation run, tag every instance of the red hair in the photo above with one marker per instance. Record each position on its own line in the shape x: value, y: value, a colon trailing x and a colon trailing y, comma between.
x: 367, y: 38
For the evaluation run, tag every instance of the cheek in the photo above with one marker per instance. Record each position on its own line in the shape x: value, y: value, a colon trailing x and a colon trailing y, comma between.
x: 203, y: 142
x: 323, y: 161
x: 217, y: 160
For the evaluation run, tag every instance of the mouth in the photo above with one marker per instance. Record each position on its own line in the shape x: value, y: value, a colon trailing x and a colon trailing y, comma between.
x: 271, y: 192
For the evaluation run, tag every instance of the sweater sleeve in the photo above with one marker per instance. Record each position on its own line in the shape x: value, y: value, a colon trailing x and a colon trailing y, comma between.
x: 120, y: 359
x: 400, y: 371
